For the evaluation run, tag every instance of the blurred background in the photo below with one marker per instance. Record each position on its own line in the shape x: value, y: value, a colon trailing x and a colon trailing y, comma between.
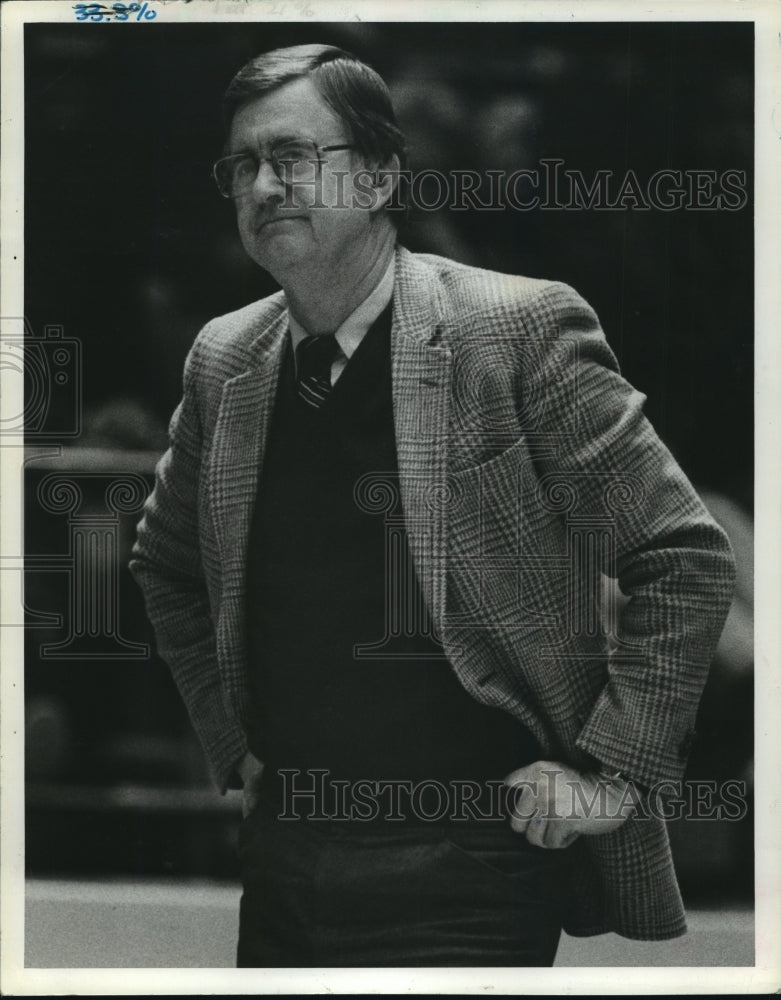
x: 129, y: 250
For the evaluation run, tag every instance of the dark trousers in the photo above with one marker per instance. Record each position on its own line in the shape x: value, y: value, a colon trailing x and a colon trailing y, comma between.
x: 320, y: 894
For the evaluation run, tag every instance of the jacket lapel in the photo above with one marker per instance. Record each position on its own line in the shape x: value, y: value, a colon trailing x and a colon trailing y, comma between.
x: 238, y: 447
x: 421, y: 368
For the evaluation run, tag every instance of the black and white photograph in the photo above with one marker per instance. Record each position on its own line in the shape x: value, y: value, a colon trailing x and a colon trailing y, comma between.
x: 388, y: 402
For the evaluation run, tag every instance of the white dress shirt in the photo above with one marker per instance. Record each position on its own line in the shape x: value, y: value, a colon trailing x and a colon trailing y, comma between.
x: 356, y: 326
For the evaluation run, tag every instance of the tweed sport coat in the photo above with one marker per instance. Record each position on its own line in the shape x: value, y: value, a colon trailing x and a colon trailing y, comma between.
x: 527, y: 474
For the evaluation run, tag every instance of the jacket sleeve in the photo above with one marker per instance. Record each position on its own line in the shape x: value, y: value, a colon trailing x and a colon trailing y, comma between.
x: 671, y: 558
x: 166, y: 563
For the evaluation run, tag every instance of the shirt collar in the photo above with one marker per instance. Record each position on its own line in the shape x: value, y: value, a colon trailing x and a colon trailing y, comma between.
x: 357, y: 325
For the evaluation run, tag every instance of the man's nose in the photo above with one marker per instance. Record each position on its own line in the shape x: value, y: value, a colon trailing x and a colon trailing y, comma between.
x: 266, y: 184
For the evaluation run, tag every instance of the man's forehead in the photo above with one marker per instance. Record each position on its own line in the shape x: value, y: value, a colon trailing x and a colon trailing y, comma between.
x: 292, y: 110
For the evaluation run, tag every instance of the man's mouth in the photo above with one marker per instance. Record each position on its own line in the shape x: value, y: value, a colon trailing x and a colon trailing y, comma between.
x: 272, y: 222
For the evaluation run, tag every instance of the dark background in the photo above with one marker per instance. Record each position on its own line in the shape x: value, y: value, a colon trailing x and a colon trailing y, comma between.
x: 130, y: 248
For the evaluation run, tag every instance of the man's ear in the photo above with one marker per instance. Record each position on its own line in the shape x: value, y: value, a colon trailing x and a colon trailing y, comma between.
x: 385, y: 178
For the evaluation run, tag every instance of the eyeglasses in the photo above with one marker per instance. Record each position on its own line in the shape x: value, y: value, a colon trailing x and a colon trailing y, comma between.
x: 293, y: 162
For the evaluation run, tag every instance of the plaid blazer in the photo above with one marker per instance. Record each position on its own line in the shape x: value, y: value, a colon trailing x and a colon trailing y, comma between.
x: 528, y: 474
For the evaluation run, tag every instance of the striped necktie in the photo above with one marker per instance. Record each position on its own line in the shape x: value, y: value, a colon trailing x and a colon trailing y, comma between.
x: 314, y: 357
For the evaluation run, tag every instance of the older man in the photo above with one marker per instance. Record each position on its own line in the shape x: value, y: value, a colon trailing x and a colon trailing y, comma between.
x: 373, y: 559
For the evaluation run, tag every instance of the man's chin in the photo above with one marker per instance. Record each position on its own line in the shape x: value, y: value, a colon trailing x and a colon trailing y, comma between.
x: 277, y: 253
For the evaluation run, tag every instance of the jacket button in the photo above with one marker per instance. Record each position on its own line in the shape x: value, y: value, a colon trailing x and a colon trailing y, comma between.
x: 686, y: 744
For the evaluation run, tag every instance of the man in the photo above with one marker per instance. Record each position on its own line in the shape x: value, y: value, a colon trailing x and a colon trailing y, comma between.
x: 374, y: 558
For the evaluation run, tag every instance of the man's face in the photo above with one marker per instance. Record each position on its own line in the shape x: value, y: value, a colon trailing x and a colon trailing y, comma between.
x: 284, y: 233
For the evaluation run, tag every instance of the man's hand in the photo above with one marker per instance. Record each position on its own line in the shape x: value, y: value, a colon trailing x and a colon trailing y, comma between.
x: 553, y: 803
x: 251, y: 771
